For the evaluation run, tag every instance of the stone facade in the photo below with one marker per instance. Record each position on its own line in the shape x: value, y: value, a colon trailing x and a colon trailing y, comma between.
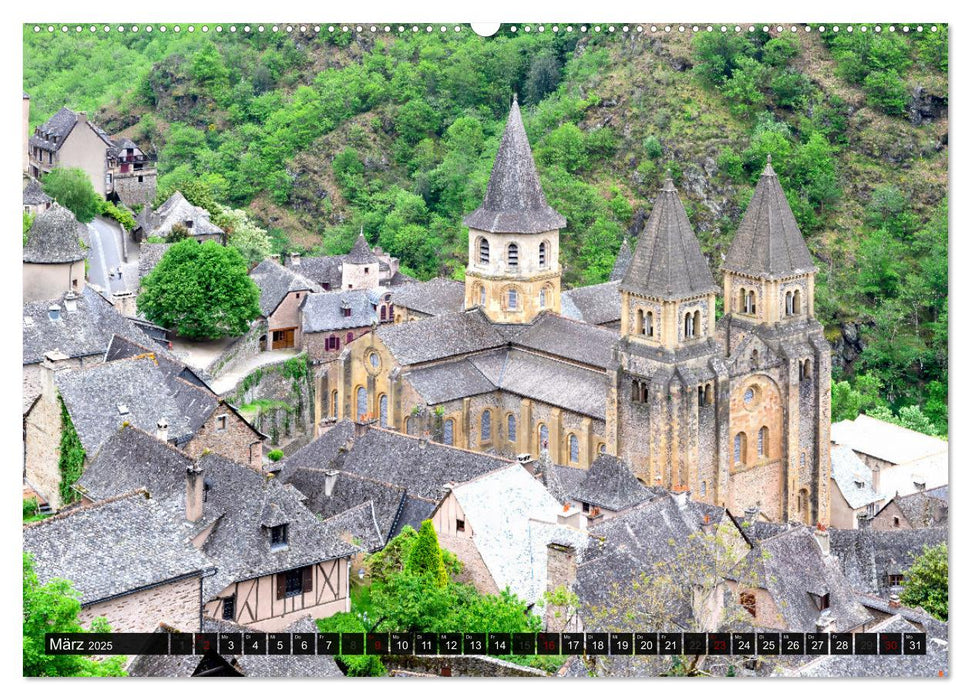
x: 176, y: 604
x: 226, y: 433
x: 316, y: 344
x: 136, y: 187
x: 42, y: 440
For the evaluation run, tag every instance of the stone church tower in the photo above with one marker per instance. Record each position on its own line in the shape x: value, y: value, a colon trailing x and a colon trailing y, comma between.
x: 514, y: 237
x: 735, y: 411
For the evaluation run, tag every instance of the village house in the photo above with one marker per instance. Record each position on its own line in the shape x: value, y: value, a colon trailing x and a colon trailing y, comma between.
x: 852, y: 495
x: 917, y: 510
x: 35, y: 199
x: 903, y: 461
x: 331, y: 320
x: 175, y: 212
x: 417, y: 300
x: 117, y: 168
x: 361, y: 268
x: 53, y: 255
x: 602, y: 491
x: 282, y: 293
x: 128, y: 561
x: 736, y: 412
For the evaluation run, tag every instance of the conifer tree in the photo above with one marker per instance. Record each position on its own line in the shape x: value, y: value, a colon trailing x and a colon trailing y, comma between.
x: 426, y: 556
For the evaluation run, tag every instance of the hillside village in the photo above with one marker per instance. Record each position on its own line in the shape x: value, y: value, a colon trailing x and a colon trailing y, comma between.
x: 565, y: 445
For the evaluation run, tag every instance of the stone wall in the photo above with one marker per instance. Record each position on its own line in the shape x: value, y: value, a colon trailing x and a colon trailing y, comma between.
x: 226, y: 434
x: 242, y: 349
x: 42, y: 448
x: 276, y: 403
x: 131, y: 191
x: 176, y: 604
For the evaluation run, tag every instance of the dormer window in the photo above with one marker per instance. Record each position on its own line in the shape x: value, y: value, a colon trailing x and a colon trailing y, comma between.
x: 278, y: 538
x: 920, y: 485
x: 821, y: 600
x: 188, y: 223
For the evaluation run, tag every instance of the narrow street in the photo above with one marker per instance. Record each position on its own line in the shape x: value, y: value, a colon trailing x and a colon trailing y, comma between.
x: 106, y: 257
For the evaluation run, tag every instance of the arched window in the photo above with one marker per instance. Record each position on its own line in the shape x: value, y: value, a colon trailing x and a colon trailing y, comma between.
x: 802, y: 505
x: 543, y: 247
x: 689, y: 326
x: 602, y: 449
x: 763, y: 441
x: 448, y: 433
x: 483, y: 251
x: 797, y: 302
x: 755, y: 358
x: 544, y: 437
x: 361, y: 403
x: 708, y: 396
x: 512, y: 298
x: 697, y: 322
x: 574, y: 448
x: 805, y: 369
x: 741, y: 300
x: 542, y: 298
x: 788, y: 303
x: 751, y: 302
x: 384, y: 312
x: 333, y: 404
x: 701, y: 395
x: 704, y: 488
x: 740, y: 448
x: 639, y: 323
x: 511, y: 427
x: 485, y: 426
x: 383, y: 409
x: 482, y: 296
x: 350, y: 337
x: 410, y: 425
x: 649, y: 324
x: 512, y: 255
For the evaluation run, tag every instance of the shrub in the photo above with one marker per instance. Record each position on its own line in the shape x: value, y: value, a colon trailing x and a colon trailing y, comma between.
x: 653, y: 148
x: 275, y: 455
x: 887, y: 91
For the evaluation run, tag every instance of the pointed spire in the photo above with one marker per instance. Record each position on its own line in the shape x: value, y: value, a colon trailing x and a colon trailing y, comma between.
x: 361, y: 253
x: 514, y: 200
x: 622, y: 262
x: 768, y: 242
x: 668, y: 263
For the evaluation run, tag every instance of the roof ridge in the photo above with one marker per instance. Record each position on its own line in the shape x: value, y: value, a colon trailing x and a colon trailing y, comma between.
x: 389, y: 431
x: 163, y: 443
x: 84, y: 508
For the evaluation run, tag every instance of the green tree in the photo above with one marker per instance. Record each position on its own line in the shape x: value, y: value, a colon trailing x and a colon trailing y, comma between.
x: 71, y: 458
x: 202, y: 291
x: 177, y: 233
x: 54, y: 607
x: 28, y: 222
x: 252, y: 242
x: 72, y: 189
x: 925, y: 582
x: 887, y: 91
x: 426, y: 556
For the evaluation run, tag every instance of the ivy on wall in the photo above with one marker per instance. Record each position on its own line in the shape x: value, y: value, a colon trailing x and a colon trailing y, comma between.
x: 71, y: 461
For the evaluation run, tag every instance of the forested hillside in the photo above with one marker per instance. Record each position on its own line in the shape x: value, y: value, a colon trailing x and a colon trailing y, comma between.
x: 319, y: 136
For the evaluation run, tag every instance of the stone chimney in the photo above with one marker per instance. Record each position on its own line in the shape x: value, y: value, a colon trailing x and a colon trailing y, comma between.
x: 82, y: 117
x: 751, y: 513
x: 71, y: 302
x: 162, y: 430
x: 360, y: 429
x: 194, y: 493
x: 826, y: 622
x: 571, y: 516
x: 52, y: 363
x: 561, y: 566
x: 863, y: 521
x: 295, y: 259
x: 330, y: 481
x: 822, y: 539
x: 894, y: 600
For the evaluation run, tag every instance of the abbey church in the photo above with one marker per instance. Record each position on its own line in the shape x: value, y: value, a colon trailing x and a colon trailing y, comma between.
x: 734, y: 409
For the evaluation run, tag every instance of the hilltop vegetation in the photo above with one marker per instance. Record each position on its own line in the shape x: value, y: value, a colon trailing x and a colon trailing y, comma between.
x: 318, y: 136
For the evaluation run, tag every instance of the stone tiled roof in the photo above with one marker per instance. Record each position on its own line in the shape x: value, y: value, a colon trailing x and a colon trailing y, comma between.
x: 112, y: 547
x: 239, y: 501
x: 514, y: 200
x: 596, y: 304
x: 513, y: 519
x: 440, y: 337
x: 59, y: 126
x: 768, y: 242
x: 414, y: 511
x: 322, y: 312
x: 791, y: 566
x: 133, y: 459
x: 361, y: 253
x: 324, y: 270
x: 886, y: 441
x: 275, y: 282
x: 447, y: 381
x: 667, y: 262
x: 101, y: 398
x: 253, y: 666
x: 34, y: 194
x: 564, y: 337
x: 435, y: 297
x: 868, y: 556
x: 358, y: 525
x: 610, y: 484
x: 54, y: 238
x: 853, y: 477
x: 554, y: 382
x: 621, y: 262
x: 924, y: 508
x: 149, y: 256
x: 928, y: 665
x: 177, y: 210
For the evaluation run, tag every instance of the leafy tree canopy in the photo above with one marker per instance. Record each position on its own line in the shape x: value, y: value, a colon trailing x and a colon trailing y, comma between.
x: 201, y: 290
x: 925, y: 583
x: 72, y: 189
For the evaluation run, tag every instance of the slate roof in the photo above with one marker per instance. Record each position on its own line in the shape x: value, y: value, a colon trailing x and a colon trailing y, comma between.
x: 177, y: 210
x: 768, y: 243
x: 886, y: 441
x: 112, y: 547
x: 853, y: 477
x: 103, y: 397
x: 927, y: 665
x: 868, y: 556
x: 34, y: 194
x: 667, y: 262
x: 554, y: 382
x: 254, y: 666
x: 570, y: 339
x: 791, y: 566
x: 54, y: 238
x: 447, y: 381
x: 244, y: 505
x: 134, y: 459
x: 324, y: 270
x: 435, y: 297
x: 924, y: 508
x: 361, y: 253
x: 440, y: 337
x: 275, y: 282
x: 59, y: 126
x: 149, y: 256
x: 595, y: 304
x: 622, y: 261
x: 514, y: 200
x: 324, y: 311
x: 610, y: 484
x: 359, y: 526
